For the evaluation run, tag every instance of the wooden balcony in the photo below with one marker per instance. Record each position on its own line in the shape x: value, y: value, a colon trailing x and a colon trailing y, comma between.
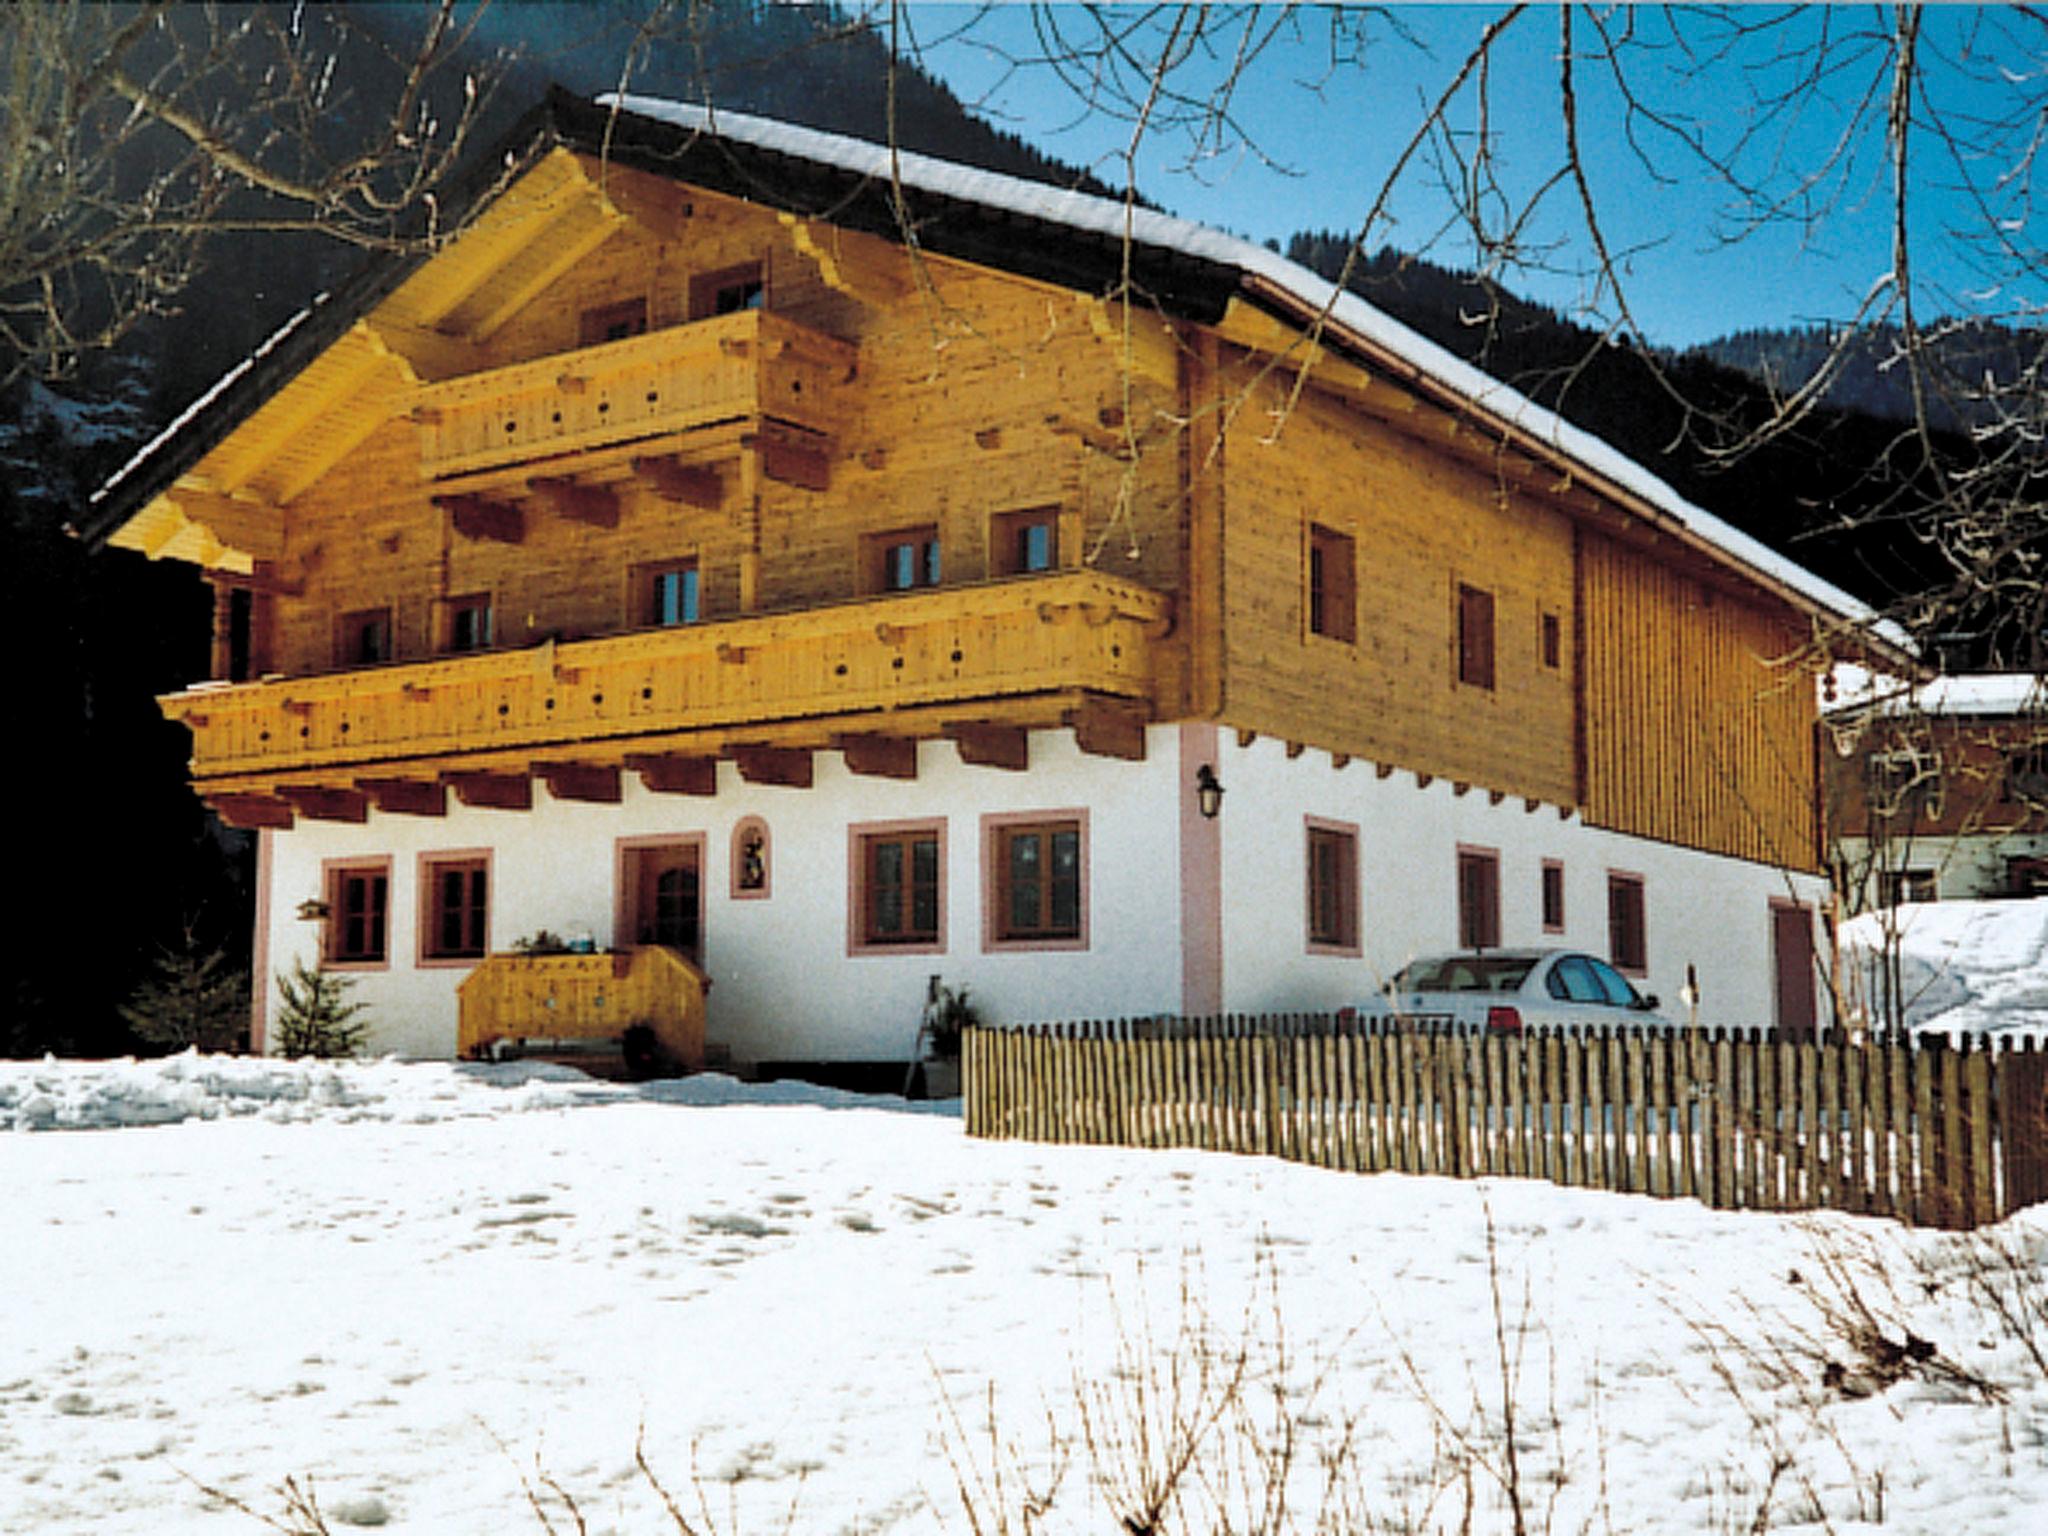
x: 1019, y: 651
x: 754, y: 364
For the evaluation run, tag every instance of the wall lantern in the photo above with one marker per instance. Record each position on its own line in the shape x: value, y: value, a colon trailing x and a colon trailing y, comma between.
x: 1208, y: 792
x: 313, y: 910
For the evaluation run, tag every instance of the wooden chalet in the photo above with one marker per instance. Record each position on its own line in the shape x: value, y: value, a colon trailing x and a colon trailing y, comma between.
x: 847, y: 569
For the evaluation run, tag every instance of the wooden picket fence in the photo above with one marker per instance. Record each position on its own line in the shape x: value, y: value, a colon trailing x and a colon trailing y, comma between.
x: 1934, y: 1132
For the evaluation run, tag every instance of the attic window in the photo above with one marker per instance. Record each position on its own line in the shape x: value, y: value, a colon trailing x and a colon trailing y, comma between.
x: 613, y: 322
x: 1475, y: 637
x: 1332, y: 584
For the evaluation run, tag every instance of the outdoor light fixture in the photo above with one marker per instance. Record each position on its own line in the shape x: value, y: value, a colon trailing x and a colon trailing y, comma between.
x: 312, y: 910
x: 1208, y: 793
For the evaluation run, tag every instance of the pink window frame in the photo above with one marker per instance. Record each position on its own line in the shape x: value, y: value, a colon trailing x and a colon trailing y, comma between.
x: 423, y: 927
x: 1355, y: 946
x: 857, y: 835
x: 1642, y: 886
x: 331, y: 871
x: 992, y: 826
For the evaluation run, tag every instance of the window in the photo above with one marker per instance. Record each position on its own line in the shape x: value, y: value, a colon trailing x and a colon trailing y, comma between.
x: 660, y: 898
x: 358, y: 904
x: 1022, y: 542
x: 1627, y: 945
x: 750, y: 863
x: 455, y: 895
x: 1896, y: 887
x: 1553, y: 896
x: 669, y: 593
x: 1332, y: 888
x: 612, y: 322
x: 1475, y: 637
x: 907, y: 558
x: 1035, y: 880
x: 1332, y: 584
x: 898, y: 887
x: 469, y: 622
x: 1550, y: 638
x: 1478, y: 898
x: 728, y: 291
x: 1582, y: 979
x: 363, y: 639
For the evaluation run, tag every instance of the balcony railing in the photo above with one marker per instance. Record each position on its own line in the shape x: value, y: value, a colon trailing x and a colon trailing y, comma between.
x: 1072, y: 630
x: 750, y: 364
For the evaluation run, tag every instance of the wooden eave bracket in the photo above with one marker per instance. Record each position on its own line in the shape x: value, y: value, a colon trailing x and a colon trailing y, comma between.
x: 878, y: 756
x: 481, y: 517
x: 792, y: 456
x: 318, y: 802
x: 577, y: 501
x: 406, y: 797
x: 846, y: 264
x: 597, y: 783
x: 491, y: 791
x: 991, y: 746
x: 209, y: 529
x: 693, y: 485
x: 786, y: 766
x: 1108, y: 728
x: 250, y: 812
x: 669, y: 773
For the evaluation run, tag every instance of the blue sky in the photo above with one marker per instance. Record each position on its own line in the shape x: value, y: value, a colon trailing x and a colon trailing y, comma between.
x: 1330, y: 97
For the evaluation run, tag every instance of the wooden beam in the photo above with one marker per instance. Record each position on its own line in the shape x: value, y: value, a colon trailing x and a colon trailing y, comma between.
x: 1108, y: 730
x: 406, y: 797
x: 694, y: 485
x: 480, y: 517
x: 251, y: 812
x: 793, y: 460
x: 884, y: 757
x: 668, y: 773
x: 789, y: 766
x: 492, y: 791
x: 597, y: 505
x: 319, y: 802
x: 992, y: 746
x: 595, y: 782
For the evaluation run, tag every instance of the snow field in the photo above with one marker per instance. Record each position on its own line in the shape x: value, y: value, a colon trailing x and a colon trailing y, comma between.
x: 427, y: 1288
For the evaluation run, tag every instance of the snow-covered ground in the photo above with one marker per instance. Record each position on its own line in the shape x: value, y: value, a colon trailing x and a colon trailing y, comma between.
x: 428, y: 1292
x: 1963, y: 965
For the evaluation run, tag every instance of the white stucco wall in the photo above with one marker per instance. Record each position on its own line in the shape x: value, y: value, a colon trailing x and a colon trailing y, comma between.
x: 786, y: 988
x: 1700, y: 908
x: 783, y: 984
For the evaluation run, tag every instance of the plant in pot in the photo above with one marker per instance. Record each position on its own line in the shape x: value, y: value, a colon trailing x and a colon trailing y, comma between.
x: 947, y: 1013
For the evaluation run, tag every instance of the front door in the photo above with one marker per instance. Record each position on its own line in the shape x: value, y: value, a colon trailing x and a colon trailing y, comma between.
x: 665, y: 892
x: 1792, y: 958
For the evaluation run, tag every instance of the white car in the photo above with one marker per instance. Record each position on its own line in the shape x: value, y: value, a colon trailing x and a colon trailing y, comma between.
x: 1508, y: 990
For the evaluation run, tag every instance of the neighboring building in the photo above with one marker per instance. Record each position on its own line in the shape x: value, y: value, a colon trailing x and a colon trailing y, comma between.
x: 1939, y: 792
x: 675, y: 556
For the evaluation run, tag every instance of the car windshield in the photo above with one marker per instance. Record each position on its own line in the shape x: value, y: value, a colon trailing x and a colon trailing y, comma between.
x: 1465, y: 973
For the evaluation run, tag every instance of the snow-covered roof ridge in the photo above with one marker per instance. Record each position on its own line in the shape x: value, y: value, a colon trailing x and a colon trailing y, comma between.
x: 1109, y: 217
x: 1967, y: 693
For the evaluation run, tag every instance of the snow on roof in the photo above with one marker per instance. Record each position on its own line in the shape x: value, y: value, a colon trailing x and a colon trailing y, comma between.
x: 1976, y: 693
x: 191, y: 412
x: 1107, y: 217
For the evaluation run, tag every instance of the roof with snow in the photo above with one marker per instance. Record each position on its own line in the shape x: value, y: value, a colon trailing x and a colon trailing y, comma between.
x: 1071, y: 239
x: 1979, y: 695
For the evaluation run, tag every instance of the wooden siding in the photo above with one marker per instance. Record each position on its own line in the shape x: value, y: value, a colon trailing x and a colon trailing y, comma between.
x: 1932, y: 776
x: 1423, y: 522
x: 1699, y: 716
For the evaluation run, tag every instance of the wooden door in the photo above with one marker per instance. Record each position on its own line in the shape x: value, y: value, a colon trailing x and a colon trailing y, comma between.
x: 667, y: 895
x: 1792, y: 958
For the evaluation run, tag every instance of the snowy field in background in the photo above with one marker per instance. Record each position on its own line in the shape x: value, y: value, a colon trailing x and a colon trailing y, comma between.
x: 426, y: 1289
x: 1964, y: 965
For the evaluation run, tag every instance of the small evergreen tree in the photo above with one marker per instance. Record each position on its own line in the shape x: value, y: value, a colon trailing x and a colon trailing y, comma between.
x: 194, y: 996
x: 316, y: 1018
